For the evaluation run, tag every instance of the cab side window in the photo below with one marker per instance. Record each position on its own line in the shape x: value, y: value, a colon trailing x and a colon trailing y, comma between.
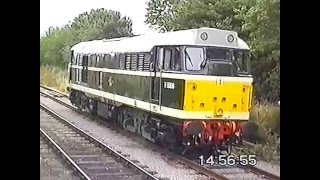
x: 169, y: 58
x: 160, y: 54
x: 122, y: 62
x: 85, y: 61
x: 176, y: 59
x: 94, y: 60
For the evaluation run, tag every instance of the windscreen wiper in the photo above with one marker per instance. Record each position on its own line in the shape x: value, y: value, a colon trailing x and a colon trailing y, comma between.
x: 185, y: 51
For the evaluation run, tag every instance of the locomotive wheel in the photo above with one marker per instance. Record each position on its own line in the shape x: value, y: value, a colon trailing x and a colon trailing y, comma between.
x: 127, y: 115
x: 114, y: 116
x: 142, y: 123
x: 120, y: 117
x: 91, y: 107
x: 73, y: 97
x: 178, y: 149
x: 78, y: 100
x: 230, y: 142
x: 215, y: 151
x: 83, y: 102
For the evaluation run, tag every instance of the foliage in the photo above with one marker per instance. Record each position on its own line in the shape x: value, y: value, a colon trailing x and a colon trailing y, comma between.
x: 262, y: 21
x: 97, y: 24
x: 268, y: 152
x: 257, y: 22
x: 264, y: 129
x: 267, y: 116
x: 100, y: 23
x: 54, y: 77
x: 196, y: 14
x: 160, y: 13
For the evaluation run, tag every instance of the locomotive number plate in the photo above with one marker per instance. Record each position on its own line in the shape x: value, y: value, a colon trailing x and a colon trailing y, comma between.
x: 169, y: 85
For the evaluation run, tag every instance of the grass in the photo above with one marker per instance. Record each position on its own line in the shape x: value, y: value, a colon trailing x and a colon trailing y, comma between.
x: 267, y: 115
x: 264, y: 117
x: 54, y: 77
x: 269, y: 151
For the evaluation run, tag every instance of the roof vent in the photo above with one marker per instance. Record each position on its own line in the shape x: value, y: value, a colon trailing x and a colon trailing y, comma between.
x: 114, y: 39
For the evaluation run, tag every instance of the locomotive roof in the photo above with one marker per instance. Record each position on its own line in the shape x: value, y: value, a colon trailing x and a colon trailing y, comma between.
x: 144, y: 43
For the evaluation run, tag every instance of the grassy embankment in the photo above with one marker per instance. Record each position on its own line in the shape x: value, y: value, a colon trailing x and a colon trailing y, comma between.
x: 54, y: 77
x: 266, y: 132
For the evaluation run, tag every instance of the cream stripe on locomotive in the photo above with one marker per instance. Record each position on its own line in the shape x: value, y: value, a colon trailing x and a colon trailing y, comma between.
x: 157, y: 109
x: 247, y: 80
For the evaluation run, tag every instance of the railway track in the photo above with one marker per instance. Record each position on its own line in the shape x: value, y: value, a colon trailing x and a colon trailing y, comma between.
x: 90, y: 157
x: 52, y: 165
x: 214, y: 172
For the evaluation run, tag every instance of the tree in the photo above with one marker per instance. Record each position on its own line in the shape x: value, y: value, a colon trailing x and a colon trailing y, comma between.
x: 262, y: 21
x: 102, y: 23
x: 53, y: 45
x: 98, y: 24
x: 178, y: 15
x: 206, y: 13
x: 256, y: 21
x: 160, y: 13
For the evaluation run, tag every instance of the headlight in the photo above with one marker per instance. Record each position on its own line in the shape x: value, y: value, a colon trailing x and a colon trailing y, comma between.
x: 219, y: 112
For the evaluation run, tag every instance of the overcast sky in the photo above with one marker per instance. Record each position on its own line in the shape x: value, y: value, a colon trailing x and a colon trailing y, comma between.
x: 60, y: 12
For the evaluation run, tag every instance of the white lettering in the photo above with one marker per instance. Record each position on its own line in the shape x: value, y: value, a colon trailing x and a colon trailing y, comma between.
x: 169, y: 85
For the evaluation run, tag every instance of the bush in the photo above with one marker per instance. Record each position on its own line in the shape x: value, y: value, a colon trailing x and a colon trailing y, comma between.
x: 54, y: 77
x: 264, y: 128
x: 266, y: 115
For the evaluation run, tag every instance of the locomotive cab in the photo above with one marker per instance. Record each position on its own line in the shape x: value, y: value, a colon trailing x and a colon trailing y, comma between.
x: 223, y: 96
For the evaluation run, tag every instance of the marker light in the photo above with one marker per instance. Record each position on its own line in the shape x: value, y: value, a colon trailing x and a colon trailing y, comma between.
x: 204, y: 36
x: 230, y: 38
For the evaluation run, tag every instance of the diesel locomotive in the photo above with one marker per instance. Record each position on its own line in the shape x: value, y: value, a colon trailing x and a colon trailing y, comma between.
x: 188, y: 88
